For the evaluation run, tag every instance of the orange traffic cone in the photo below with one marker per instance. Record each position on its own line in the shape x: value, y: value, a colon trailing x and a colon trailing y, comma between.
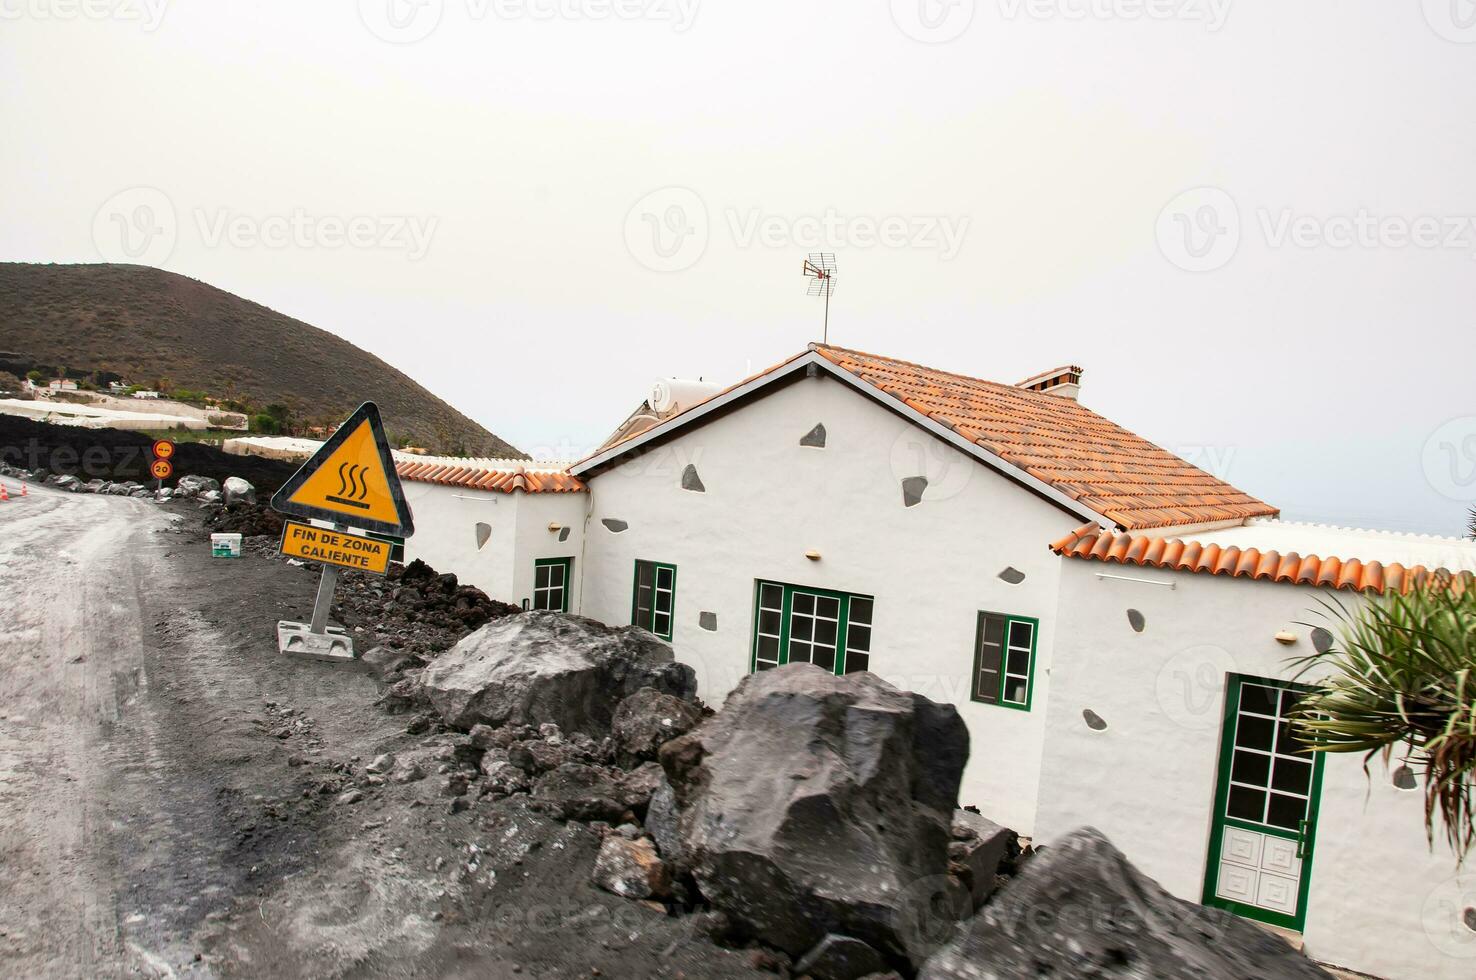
x: 24, y: 492
x: 3, y: 494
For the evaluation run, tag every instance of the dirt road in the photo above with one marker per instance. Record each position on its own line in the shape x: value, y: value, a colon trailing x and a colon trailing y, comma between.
x: 122, y: 739
x: 176, y: 799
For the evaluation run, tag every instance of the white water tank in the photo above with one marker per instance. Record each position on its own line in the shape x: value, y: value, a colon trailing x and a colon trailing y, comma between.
x: 675, y: 394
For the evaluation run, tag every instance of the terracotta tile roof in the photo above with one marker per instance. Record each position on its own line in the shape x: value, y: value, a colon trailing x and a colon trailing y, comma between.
x: 1115, y: 473
x: 492, y: 475
x: 1092, y: 543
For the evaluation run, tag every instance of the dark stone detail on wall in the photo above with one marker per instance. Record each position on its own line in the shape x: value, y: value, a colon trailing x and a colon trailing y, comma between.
x: 708, y: 621
x: 563, y: 534
x: 1094, y: 721
x: 615, y: 526
x: 1404, y: 778
x: 484, y: 531
x: 691, y: 481
x: 1012, y: 575
x: 912, y: 490
x: 1322, y: 640
x: 815, y: 437
x: 1135, y: 620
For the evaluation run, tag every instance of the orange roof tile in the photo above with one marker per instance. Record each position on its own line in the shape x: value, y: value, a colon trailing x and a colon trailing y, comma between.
x: 501, y: 476
x: 1090, y: 542
x: 1108, y: 469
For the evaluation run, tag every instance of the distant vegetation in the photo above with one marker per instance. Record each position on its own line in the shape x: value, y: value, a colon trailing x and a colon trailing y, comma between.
x: 100, y: 323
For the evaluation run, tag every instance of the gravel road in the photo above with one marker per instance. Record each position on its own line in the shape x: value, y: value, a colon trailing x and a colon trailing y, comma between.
x: 172, y: 789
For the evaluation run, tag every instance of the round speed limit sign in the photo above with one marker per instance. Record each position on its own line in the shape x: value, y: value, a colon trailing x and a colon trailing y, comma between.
x: 162, y: 469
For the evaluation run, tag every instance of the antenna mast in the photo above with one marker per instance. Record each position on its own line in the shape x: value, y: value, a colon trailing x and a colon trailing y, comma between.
x: 820, y: 270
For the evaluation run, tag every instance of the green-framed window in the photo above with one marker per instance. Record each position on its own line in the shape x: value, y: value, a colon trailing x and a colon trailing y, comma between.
x: 802, y: 624
x: 1004, y: 659
x: 653, y: 604
x: 551, y: 578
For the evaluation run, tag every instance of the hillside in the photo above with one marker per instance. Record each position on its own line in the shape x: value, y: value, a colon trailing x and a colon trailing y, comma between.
x: 146, y: 324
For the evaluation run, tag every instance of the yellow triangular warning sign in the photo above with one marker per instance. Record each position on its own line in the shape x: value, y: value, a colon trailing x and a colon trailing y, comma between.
x: 350, y: 480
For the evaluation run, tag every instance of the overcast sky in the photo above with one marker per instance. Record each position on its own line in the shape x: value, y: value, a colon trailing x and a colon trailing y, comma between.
x: 1252, y: 224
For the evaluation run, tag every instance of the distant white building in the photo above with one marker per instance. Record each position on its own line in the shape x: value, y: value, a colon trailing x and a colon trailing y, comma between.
x: 62, y: 384
x: 145, y: 393
x: 510, y: 527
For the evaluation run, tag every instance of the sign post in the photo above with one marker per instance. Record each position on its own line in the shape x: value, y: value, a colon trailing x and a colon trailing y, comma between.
x: 162, y: 468
x: 349, y: 483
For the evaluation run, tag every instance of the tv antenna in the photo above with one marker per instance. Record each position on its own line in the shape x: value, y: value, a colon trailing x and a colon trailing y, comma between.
x: 820, y: 270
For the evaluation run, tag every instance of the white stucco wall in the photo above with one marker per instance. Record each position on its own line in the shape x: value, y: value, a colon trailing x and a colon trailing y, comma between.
x: 931, y: 567
x: 534, y: 540
x: 446, y: 538
x: 1380, y: 901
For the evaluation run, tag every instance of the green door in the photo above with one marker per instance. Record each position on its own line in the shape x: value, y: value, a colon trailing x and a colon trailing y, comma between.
x: 1265, y: 817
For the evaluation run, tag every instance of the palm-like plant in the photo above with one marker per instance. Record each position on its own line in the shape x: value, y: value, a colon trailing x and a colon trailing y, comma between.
x: 1403, y: 673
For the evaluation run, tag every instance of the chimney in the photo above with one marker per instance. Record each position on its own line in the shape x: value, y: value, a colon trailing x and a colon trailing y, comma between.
x: 1063, y: 382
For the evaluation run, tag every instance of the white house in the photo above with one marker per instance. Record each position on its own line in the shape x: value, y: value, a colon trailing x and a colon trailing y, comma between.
x: 1173, y: 672
x: 865, y: 513
x: 848, y: 510
x: 513, y: 528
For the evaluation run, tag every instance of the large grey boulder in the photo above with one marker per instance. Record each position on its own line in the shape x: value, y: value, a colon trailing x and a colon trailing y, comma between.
x: 550, y: 667
x: 648, y: 719
x: 237, y: 490
x: 1080, y: 909
x: 814, y: 804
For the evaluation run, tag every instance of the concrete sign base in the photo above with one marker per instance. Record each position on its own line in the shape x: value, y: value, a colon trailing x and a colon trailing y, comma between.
x: 298, y: 640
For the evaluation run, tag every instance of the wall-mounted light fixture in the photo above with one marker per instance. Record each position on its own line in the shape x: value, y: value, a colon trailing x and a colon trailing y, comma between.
x: 554, y: 527
x: 1286, y: 638
x: 813, y: 555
